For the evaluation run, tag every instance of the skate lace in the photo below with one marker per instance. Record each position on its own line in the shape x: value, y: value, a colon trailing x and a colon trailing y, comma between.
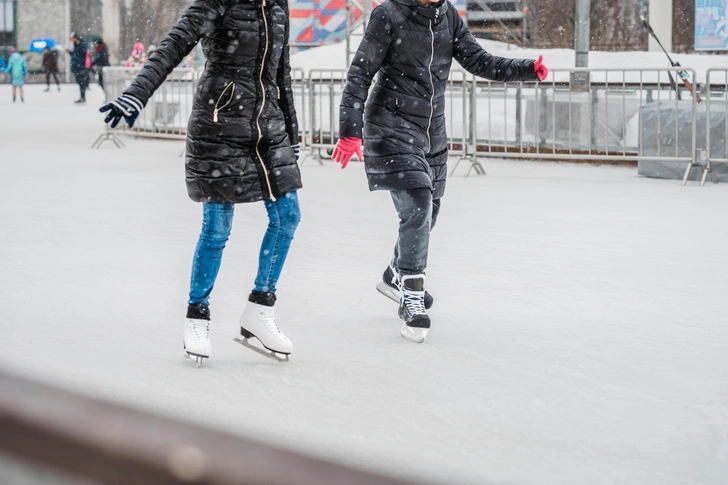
x: 414, y: 301
x: 269, y: 320
x: 396, y: 280
x: 200, y: 330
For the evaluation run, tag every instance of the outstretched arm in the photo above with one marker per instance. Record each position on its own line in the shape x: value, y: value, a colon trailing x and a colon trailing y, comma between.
x: 199, y: 20
x: 474, y: 59
x: 285, y: 87
x: 364, y: 67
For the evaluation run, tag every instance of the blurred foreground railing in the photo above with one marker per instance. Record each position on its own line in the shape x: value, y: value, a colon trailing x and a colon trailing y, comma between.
x: 91, y: 439
x: 618, y: 116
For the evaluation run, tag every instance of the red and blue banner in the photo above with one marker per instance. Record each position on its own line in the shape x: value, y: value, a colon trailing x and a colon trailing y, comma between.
x: 316, y: 22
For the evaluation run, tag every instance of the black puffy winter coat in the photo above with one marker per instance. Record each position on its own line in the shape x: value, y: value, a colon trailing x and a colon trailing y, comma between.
x: 243, y: 122
x: 403, y: 119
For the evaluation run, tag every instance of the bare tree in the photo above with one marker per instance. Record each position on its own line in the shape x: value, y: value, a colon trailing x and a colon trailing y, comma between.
x: 615, y: 24
x: 149, y: 21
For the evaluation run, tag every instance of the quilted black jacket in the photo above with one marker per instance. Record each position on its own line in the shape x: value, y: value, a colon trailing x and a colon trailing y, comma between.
x: 402, y: 121
x: 243, y: 121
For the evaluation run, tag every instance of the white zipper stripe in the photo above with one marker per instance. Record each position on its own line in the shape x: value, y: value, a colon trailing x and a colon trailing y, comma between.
x: 262, y: 105
x: 432, y: 88
x: 230, y: 100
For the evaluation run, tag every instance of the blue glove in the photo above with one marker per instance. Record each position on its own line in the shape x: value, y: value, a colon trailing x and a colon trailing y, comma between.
x: 125, y: 106
x: 296, y: 149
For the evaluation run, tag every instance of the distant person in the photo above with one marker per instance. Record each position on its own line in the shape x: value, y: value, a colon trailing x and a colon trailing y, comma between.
x: 102, y: 60
x: 78, y: 65
x: 138, y: 56
x: 50, y: 64
x: 17, y: 69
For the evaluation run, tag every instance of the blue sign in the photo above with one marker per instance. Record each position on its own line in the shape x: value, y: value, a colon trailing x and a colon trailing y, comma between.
x: 710, y: 25
x: 37, y: 45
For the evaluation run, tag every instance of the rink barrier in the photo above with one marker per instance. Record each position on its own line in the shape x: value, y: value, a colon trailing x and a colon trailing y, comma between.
x: 576, y: 114
x: 590, y: 115
x: 720, y: 92
x: 66, y: 434
x: 325, y: 89
x: 166, y: 112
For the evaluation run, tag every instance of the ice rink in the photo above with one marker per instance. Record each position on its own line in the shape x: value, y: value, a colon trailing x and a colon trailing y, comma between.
x: 580, y: 326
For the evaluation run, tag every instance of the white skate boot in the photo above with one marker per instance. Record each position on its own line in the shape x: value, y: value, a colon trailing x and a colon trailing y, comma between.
x: 259, y: 321
x: 196, y: 334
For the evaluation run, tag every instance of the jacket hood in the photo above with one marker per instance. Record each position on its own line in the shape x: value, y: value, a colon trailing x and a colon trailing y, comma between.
x: 414, y: 10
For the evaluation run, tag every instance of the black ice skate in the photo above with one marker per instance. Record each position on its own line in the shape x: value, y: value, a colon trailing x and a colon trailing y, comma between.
x: 196, y: 335
x: 412, y: 308
x: 390, y: 287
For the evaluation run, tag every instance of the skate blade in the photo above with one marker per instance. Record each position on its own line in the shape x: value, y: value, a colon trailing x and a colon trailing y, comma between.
x: 388, y: 291
x: 192, y: 356
x: 195, y: 357
x: 267, y: 352
x: 416, y: 334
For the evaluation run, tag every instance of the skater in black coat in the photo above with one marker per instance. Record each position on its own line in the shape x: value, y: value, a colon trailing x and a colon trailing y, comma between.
x: 242, y: 146
x: 411, y: 45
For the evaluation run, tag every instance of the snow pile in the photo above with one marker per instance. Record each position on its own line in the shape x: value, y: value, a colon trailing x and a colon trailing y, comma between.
x: 334, y: 57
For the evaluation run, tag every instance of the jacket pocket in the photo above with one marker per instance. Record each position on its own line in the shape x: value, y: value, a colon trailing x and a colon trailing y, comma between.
x: 230, y: 87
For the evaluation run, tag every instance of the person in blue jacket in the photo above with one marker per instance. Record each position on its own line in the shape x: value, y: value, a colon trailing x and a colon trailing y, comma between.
x: 17, y: 68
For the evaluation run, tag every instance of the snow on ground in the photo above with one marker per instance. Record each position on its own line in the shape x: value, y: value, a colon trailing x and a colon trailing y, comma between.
x: 334, y: 57
x: 579, y: 326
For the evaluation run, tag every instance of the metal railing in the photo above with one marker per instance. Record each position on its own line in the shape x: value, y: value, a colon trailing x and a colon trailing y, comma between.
x: 166, y: 112
x: 620, y: 116
x: 716, y: 143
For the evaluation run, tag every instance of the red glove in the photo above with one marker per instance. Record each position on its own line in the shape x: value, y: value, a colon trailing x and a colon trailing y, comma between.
x: 541, y: 70
x: 345, y: 149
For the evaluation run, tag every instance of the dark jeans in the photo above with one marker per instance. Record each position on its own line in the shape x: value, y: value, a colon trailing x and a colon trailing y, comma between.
x: 283, y: 218
x: 48, y: 78
x: 82, y: 79
x: 417, y: 217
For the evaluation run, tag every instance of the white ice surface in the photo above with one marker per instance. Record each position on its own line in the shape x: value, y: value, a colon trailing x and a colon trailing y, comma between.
x: 580, y: 326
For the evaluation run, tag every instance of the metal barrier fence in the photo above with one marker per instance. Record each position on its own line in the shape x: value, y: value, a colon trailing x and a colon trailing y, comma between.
x: 585, y: 114
x: 600, y: 115
x: 719, y: 152
x: 166, y: 113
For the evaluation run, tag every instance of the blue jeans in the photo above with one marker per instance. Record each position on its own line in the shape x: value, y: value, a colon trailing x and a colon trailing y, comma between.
x: 284, y: 215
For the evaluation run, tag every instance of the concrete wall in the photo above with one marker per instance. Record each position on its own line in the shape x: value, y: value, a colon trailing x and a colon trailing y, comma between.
x: 40, y: 18
x: 86, y: 17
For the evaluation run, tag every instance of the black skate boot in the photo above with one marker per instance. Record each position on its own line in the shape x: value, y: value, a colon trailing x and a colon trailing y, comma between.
x: 412, y: 308
x: 390, y: 287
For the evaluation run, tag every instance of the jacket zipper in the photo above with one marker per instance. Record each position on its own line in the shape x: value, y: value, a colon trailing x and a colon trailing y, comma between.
x: 217, y: 110
x: 262, y: 105
x: 432, y: 84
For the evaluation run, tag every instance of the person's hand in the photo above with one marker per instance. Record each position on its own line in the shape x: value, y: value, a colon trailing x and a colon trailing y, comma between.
x: 125, y: 106
x: 296, y: 150
x: 345, y: 149
x: 541, y: 70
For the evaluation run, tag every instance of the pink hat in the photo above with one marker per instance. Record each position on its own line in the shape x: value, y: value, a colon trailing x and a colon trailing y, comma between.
x: 138, y: 50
